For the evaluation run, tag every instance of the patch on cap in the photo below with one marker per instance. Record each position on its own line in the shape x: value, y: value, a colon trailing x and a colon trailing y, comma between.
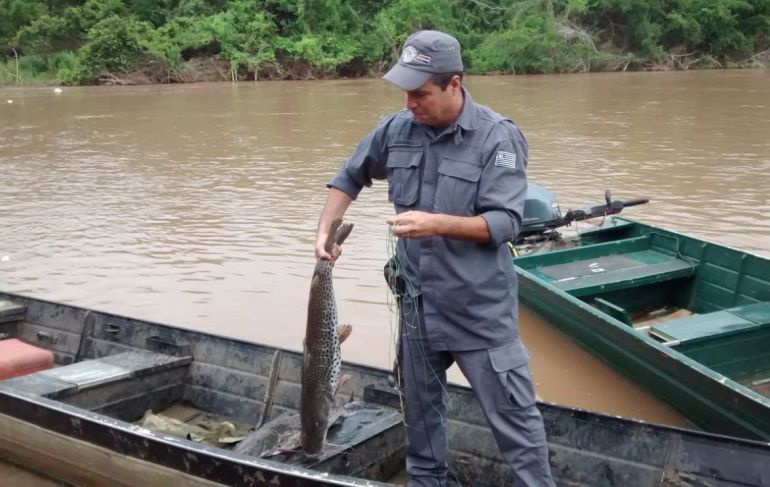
x: 409, y: 54
x: 422, y: 58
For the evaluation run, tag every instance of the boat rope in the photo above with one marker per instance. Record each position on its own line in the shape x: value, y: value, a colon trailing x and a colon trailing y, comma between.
x: 677, y: 248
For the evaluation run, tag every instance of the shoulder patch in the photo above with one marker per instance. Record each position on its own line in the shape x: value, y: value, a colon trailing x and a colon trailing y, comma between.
x: 505, y: 159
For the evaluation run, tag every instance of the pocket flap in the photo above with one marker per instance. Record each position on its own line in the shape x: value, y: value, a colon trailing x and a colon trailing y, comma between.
x: 404, y: 158
x: 460, y: 169
x: 508, y: 356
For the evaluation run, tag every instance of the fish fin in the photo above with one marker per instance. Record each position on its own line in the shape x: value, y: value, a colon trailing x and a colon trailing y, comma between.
x: 343, y: 379
x: 295, y: 449
x: 343, y: 331
x: 290, y: 444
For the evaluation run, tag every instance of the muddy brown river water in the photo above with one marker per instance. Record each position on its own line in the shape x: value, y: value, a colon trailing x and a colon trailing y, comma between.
x: 195, y: 205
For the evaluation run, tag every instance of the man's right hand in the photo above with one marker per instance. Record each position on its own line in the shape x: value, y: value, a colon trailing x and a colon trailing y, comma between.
x: 320, y: 248
x: 336, y: 203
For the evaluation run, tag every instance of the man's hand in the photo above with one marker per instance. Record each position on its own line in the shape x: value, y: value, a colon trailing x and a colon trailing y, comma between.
x: 336, y: 203
x: 420, y: 224
x: 320, y: 248
x: 414, y: 224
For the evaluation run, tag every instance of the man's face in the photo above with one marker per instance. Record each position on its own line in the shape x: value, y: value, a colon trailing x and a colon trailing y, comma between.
x: 433, y: 106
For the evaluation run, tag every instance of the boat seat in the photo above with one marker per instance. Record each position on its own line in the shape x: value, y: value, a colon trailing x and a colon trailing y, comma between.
x: 616, y: 271
x: 715, y: 325
x: 71, y: 379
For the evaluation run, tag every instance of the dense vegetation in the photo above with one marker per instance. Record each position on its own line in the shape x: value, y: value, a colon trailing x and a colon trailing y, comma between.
x: 76, y: 41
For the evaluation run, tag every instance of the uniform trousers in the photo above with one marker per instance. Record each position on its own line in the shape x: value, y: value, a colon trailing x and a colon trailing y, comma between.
x: 502, y: 383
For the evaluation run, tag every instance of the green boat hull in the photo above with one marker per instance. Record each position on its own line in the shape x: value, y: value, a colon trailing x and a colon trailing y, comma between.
x: 686, y: 319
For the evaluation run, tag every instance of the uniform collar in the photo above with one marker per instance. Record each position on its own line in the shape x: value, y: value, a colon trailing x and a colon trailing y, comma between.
x: 467, y: 117
x: 466, y: 120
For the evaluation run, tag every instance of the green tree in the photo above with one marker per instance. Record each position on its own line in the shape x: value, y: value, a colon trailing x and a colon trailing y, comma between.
x: 15, y: 15
x: 112, y: 45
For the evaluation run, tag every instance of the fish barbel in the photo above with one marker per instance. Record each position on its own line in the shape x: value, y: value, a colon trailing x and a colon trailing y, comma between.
x: 322, y: 359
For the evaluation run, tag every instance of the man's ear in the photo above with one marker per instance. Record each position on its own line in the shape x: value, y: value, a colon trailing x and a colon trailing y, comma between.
x: 456, y: 84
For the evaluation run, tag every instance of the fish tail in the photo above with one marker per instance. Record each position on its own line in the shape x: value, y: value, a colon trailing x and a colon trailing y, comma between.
x: 342, y: 231
x: 330, y: 239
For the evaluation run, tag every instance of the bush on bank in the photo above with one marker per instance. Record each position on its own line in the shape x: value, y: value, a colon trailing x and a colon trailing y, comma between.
x: 92, y: 41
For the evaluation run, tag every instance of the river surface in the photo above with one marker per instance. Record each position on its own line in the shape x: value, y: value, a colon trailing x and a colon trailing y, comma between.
x: 196, y: 205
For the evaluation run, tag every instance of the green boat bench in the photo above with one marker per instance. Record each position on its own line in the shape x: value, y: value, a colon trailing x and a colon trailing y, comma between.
x: 713, y: 326
x: 612, y: 266
x: 734, y: 342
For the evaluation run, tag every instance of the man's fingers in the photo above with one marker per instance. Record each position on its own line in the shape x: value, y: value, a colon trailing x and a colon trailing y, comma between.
x: 399, y: 228
x: 401, y: 231
x: 400, y: 219
x: 322, y: 255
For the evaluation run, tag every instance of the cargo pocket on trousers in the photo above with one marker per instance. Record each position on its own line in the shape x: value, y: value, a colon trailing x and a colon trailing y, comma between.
x: 510, y: 363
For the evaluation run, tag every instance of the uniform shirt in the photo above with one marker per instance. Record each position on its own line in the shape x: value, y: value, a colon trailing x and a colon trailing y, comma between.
x: 476, y: 166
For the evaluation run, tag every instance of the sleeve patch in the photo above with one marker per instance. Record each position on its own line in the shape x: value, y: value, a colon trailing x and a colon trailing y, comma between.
x: 505, y: 159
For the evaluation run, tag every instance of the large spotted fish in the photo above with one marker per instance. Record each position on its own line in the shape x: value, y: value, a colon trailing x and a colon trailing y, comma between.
x: 321, y: 368
x: 322, y: 360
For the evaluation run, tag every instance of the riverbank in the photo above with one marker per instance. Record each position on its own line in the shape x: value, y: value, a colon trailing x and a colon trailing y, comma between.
x: 118, y: 42
x: 203, y: 70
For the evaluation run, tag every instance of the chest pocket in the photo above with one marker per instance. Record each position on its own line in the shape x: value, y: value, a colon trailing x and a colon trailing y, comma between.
x: 404, y: 174
x: 457, y: 186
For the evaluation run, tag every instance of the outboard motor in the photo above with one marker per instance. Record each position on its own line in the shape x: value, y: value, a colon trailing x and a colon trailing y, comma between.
x: 542, y: 213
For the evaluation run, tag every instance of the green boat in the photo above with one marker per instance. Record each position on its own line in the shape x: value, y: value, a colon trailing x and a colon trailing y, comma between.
x: 687, y: 319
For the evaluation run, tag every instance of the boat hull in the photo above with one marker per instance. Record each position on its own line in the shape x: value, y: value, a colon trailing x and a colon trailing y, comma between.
x: 95, y: 397
x: 697, y: 374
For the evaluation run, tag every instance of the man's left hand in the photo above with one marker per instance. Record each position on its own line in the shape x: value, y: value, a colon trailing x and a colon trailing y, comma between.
x: 414, y: 224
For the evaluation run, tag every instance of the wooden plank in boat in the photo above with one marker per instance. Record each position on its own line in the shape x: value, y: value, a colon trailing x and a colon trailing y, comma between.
x: 80, y: 462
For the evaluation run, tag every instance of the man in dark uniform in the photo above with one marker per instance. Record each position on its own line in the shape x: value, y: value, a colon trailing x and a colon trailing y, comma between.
x: 456, y: 176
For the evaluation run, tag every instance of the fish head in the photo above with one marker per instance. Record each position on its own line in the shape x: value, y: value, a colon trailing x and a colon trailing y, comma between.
x: 315, y: 424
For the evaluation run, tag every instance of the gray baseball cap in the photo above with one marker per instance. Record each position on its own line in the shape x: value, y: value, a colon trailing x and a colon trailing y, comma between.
x: 425, y: 53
